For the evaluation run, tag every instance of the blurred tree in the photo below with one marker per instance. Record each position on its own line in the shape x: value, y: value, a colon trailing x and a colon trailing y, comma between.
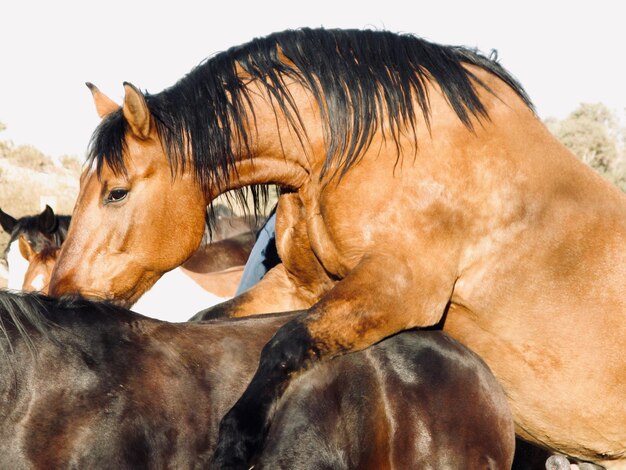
x: 592, y: 133
x: 28, y: 156
x: 3, y: 145
x: 587, y: 133
x: 71, y: 163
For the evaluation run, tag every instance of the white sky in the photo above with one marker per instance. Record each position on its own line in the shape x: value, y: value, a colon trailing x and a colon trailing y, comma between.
x: 563, y: 52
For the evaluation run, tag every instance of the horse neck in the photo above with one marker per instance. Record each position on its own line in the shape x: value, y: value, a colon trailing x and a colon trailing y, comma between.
x: 282, y: 149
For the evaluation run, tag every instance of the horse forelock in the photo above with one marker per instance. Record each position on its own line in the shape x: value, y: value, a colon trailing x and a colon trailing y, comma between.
x: 108, y: 143
x: 358, y: 77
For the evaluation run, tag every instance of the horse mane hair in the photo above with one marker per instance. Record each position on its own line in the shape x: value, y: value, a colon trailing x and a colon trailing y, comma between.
x: 24, y: 315
x: 358, y: 77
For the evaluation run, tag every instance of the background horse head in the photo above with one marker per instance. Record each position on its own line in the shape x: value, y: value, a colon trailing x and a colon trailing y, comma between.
x: 40, y: 231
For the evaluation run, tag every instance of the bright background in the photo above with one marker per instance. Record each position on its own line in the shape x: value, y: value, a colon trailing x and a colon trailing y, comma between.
x: 563, y: 52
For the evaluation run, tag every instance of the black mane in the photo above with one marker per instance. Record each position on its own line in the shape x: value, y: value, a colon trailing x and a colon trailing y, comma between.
x: 26, y: 315
x: 357, y: 77
x: 22, y: 315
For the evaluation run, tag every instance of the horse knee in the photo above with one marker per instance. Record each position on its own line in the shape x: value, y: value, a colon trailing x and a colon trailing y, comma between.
x: 289, y: 349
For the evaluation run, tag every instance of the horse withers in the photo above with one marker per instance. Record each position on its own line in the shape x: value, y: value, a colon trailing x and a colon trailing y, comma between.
x: 418, y: 188
x: 92, y: 385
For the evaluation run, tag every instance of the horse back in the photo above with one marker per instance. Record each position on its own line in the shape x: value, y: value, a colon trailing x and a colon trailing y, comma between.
x: 431, y: 404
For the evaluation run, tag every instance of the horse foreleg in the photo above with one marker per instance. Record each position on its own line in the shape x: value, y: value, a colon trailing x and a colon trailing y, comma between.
x: 276, y: 292
x: 365, y: 307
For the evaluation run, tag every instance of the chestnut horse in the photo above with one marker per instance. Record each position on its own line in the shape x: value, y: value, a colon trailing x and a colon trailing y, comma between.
x: 40, y: 266
x: 418, y: 188
x: 92, y: 385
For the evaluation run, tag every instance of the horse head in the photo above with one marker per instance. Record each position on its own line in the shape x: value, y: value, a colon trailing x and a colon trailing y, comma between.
x: 40, y: 229
x: 32, y: 234
x: 109, y: 251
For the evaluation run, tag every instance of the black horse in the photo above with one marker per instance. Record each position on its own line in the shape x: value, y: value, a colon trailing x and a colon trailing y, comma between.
x: 92, y: 385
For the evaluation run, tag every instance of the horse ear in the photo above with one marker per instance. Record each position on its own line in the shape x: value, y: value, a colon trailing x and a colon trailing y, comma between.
x: 25, y: 249
x: 136, y: 111
x: 104, y: 104
x: 46, y: 220
x: 7, y: 222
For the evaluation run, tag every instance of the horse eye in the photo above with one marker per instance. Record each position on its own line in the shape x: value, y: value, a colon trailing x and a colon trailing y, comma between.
x: 116, y: 195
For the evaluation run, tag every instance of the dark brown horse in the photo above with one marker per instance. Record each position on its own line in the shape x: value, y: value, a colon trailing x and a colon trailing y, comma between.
x: 418, y: 188
x: 91, y: 385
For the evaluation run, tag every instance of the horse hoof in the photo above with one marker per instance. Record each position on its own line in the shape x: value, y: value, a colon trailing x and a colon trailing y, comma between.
x: 557, y: 462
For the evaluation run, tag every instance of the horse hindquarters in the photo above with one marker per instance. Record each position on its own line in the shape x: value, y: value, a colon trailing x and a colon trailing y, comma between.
x: 416, y: 400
